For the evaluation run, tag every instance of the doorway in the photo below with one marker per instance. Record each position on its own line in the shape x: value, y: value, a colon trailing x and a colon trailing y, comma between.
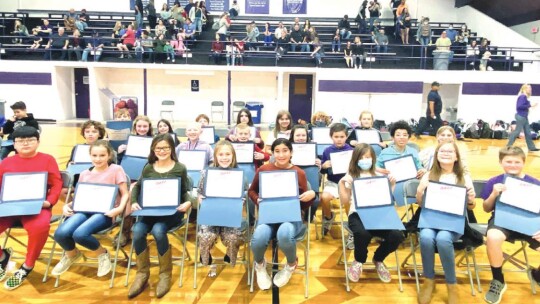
x: 300, y: 97
x: 82, y: 93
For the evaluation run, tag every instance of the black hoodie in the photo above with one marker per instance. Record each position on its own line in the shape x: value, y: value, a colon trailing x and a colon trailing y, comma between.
x: 11, y: 126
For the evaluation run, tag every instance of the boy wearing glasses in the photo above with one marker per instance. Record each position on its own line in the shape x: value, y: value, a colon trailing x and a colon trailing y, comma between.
x: 20, y: 118
x: 26, y: 142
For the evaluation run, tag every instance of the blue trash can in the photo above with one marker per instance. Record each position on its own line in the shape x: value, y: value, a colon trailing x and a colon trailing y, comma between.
x: 256, y: 111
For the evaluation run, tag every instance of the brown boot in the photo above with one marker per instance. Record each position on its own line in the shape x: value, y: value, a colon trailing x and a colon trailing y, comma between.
x: 453, y: 294
x: 142, y: 275
x: 426, y: 291
x: 165, y: 273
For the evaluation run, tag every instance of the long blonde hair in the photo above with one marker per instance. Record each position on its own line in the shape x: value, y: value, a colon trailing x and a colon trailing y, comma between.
x: 524, y: 88
x: 436, y: 170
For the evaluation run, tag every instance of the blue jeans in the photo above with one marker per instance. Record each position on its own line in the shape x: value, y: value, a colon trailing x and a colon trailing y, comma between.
x: 97, y: 54
x: 198, y: 24
x: 336, y: 45
x: 372, y: 23
x: 306, y: 47
x: 285, y: 233
x: 522, y: 123
x: 383, y: 47
x: 81, y: 25
x: 293, y: 46
x: 79, y: 228
x: 139, y: 52
x: 158, y: 226
x: 442, y: 240
x: 345, y: 34
x: 424, y: 40
x: 139, y: 20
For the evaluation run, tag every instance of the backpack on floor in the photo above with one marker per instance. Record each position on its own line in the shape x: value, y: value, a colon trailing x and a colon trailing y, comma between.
x: 535, y: 126
x: 379, y: 125
x: 484, y: 130
x: 472, y: 131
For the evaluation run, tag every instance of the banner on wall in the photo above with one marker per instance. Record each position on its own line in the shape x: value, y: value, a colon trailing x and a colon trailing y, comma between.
x: 294, y: 6
x: 217, y: 5
x: 258, y: 7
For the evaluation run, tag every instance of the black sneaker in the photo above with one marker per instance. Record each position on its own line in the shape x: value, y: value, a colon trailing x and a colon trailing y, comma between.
x: 4, y: 263
x: 16, y: 279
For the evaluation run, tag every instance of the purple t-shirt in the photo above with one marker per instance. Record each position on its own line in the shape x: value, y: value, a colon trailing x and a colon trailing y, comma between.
x: 499, y: 179
x: 522, y: 106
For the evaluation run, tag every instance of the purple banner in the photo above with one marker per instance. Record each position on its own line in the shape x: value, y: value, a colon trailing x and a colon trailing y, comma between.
x: 258, y: 7
x: 217, y: 5
x: 362, y: 86
x: 295, y: 7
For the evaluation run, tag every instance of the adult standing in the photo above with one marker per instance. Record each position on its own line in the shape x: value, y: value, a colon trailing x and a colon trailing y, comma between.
x: 433, y: 111
x: 139, y: 9
x: 374, y: 13
x: 522, y: 121
x: 151, y: 13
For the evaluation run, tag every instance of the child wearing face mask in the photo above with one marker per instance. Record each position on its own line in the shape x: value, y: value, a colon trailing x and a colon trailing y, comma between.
x: 363, y: 165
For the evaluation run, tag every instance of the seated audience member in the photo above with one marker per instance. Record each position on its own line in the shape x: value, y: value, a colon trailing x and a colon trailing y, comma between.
x: 381, y: 42
x: 44, y: 31
x: 76, y: 43
x: 358, y: 52
x: 127, y: 42
x: 472, y: 53
x: 279, y: 31
x: 484, y: 54
x: 204, y: 120
x: 451, y: 33
x: 164, y: 48
x: 344, y: 27
x: 82, y: 21
x: 79, y: 227
x: 235, y: 9
x: 217, y: 49
x: 20, y: 30
x: 69, y: 19
x: 465, y: 33
x: 193, y: 133
x: 94, y: 44
x: 282, y: 43
x: 243, y: 134
x: 37, y: 227
x: 230, y: 51
x: 165, y: 13
x: 59, y: 42
x: 117, y: 32
x: 336, y: 42
x: 309, y: 36
x: 189, y: 30
x: 296, y: 37
x: 244, y: 116
x: 165, y: 127
x: 240, y: 49
x: 146, y: 46
x: 282, y: 129
x: 252, y: 33
x: 268, y: 36
x: 347, y: 54
x: 178, y: 44
x: 443, y: 43
x: 512, y: 160
x: 19, y: 119
x: 318, y: 51
x: 160, y: 28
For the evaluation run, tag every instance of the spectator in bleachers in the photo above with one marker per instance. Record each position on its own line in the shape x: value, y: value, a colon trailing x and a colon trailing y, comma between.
x: 199, y: 17
x: 240, y: 47
x: 361, y: 18
x: 188, y: 7
x: 252, y: 32
x: 344, y: 27
x: 318, y: 51
x: 307, y: 25
x: 160, y: 28
x: 139, y: 11
x: 150, y: 32
x: 76, y: 44
x: 336, y: 42
x: 44, y: 31
x: 82, y: 22
x: 451, y: 33
x: 268, y: 36
x: 117, y: 32
x: 205, y: 14
x: 347, y: 52
x: 484, y: 54
x: 472, y: 54
x: 394, y: 4
x: 146, y: 46
x: 167, y: 14
x: 230, y: 51
x: 164, y: 48
x: 443, y: 43
x: 94, y: 44
x: 189, y: 30
x: 178, y: 44
x: 235, y: 9
x: 399, y: 11
x: 69, y: 19
x: 381, y: 42
x: 405, y: 25
x: 374, y: 13
x: 151, y: 16
x: 173, y: 28
x: 308, y: 39
x: 423, y: 34
x: 19, y: 30
x: 37, y: 40
x: 358, y: 53
x: 282, y: 43
x: 297, y: 37
x: 376, y: 27
x: 224, y: 25
x: 59, y: 42
x: 127, y: 42
x: 278, y: 31
x: 217, y: 49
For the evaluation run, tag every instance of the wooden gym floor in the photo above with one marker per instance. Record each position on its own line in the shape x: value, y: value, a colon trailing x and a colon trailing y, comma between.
x: 326, y: 281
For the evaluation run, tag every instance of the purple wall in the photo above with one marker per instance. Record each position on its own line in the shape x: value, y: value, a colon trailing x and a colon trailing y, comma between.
x: 360, y: 86
x: 25, y: 78
x: 476, y: 88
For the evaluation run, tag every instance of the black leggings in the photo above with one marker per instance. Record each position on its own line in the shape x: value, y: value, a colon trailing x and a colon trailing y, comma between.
x: 362, y: 238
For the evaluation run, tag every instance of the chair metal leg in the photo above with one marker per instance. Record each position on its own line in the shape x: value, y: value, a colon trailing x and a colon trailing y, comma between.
x: 306, y: 256
x: 129, y: 262
x: 49, y: 263
x: 7, y: 232
x: 475, y: 265
x: 398, y: 269
x: 344, y: 253
x: 466, y: 253
x: 415, y: 266
x: 524, y: 248
x: 116, y: 255
x: 186, y: 225
x: 196, y: 255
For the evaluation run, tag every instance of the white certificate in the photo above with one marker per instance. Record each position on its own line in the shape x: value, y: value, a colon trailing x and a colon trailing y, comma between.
x: 139, y: 146
x: 372, y: 191
x: 276, y: 184
x: 162, y: 192
x: 340, y: 161
x: 207, y: 135
x: 304, y: 154
x: 446, y: 198
x: 224, y: 183
x: 194, y: 160
x: 321, y: 136
x: 82, y: 154
x: 94, y: 198
x: 368, y: 136
x: 402, y: 168
x: 21, y: 186
x: 121, y: 134
x: 244, y: 152
x: 521, y: 194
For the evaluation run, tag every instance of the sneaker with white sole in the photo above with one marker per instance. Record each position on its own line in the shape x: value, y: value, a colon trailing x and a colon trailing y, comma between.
x: 65, y: 263
x: 355, y: 271
x: 495, y: 293
x: 350, y: 242
x: 327, y: 223
x: 263, y: 279
x: 16, y: 279
x: 284, y: 275
x: 104, y: 264
x: 383, y: 272
x: 3, y: 265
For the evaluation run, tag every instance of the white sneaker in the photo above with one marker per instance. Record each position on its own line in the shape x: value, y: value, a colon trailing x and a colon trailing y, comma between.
x: 104, y: 266
x: 284, y: 275
x: 263, y: 279
x: 65, y: 263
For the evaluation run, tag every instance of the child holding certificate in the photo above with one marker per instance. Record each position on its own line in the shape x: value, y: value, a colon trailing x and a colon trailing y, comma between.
x: 193, y: 132
x: 91, y: 131
x: 300, y: 135
x: 284, y: 232
x: 243, y: 134
x: 27, y: 159
x: 512, y: 160
x: 365, y: 123
x: 282, y: 128
x: 338, y: 133
x: 445, y: 133
x: 232, y: 238
x: 79, y: 227
x: 446, y: 169
x: 164, y: 127
x: 363, y: 165
x: 142, y: 126
x: 162, y: 163
x: 244, y: 116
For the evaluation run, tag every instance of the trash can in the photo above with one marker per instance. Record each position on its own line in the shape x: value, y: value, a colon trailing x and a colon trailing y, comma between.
x: 256, y: 111
x: 441, y: 59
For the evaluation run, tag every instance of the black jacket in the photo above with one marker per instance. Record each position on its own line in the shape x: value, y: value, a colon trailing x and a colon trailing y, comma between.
x: 11, y: 126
